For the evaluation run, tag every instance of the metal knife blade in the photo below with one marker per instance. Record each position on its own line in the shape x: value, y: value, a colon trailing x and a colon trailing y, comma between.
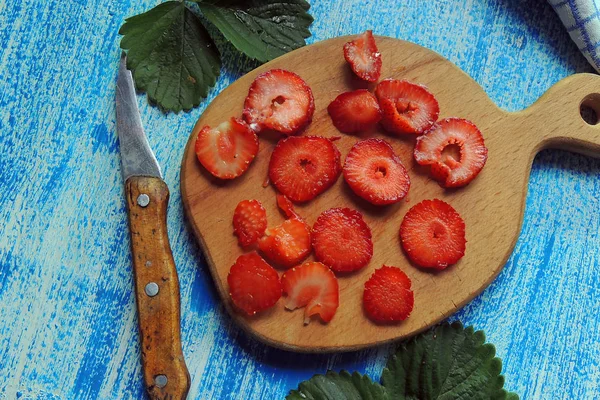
x: 155, y: 276
x: 137, y: 159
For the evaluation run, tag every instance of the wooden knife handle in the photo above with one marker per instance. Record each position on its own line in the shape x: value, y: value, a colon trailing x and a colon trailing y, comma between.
x: 156, y: 289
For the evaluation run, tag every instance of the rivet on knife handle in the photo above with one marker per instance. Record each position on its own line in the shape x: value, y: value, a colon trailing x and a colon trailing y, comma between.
x: 157, y: 289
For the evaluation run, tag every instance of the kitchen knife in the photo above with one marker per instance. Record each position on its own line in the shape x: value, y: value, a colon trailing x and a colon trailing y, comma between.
x: 156, y: 284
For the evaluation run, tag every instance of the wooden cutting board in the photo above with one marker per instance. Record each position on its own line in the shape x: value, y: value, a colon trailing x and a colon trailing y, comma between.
x: 492, y: 205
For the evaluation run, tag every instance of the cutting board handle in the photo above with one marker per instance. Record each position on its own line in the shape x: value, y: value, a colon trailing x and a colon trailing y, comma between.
x: 555, y: 120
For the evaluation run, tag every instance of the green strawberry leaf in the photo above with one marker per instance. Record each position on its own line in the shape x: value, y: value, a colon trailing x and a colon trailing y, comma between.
x: 261, y: 29
x: 446, y: 363
x: 342, y: 386
x: 171, y: 56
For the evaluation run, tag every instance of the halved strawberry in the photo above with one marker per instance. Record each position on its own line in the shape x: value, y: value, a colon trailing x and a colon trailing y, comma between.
x: 342, y: 240
x: 286, y: 244
x: 364, y: 57
x: 287, y: 207
x: 406, y: 107
x: 388, y: 296
x: 354, y: 111
x: 314, y: 286
x: 254, y: 285
x: 227, y: 150
x: 279, y: 100
x: 303, y: 167
x: 435, y: 148
x: 249, y: 221
x: 375, y: 173
x: 433, y: 234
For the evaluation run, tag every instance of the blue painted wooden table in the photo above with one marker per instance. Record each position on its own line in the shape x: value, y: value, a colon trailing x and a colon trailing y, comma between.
x: 67, y: 317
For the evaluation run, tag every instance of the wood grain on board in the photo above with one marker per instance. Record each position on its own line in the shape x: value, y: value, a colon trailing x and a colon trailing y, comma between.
x: 492, y: 205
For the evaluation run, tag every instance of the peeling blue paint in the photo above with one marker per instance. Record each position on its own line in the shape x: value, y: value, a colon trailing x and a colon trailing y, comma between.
x: 69, y: 329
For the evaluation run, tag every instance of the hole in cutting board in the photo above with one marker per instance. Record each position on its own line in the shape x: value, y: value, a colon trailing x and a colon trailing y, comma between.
x: 589, y: 108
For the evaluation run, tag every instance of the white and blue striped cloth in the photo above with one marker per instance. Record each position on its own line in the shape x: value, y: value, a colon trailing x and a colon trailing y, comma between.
x: 582, y: 20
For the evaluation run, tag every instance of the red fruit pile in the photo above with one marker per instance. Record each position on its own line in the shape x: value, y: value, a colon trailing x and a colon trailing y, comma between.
x: 432, y: 233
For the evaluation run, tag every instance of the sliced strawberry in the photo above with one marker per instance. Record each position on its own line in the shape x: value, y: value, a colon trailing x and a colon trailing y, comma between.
x: 286, y: 244
x: 314, y: 286
x: 354, y: 111
x: 303, y: 167
x: 342, y: 240
x: 227, y: 150
x: 406, y: 107
x: 287, y: 207
x: 387, y: 296
x: 364, y: 57
x: 433, y: 234
x: 434, y: 149
x: 375, y: 173
x: 249, y: 221
x: 254, y: 285
x: 279, y: 100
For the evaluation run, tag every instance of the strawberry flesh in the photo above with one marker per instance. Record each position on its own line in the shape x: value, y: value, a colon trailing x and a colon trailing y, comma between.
x: 279, y: 100
x: 364, y: 57
x: 354, y: 111
x: 287, y: 207
x: 303, y: 167
x: 227, y: 150
x: 342, y: 240
x: 452, y: 170
x: 432, y: 234
x: 249, y: 221
x: 286, y: 244
x: 254, y: 285
x: 374, y: 172
x: 388, y: 296
x: 407, y: 108
x: 314, y: 286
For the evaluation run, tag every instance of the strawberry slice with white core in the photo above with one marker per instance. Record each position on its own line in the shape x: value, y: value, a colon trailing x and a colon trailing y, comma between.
x: 302, y: 167
x: 227, y: 150
x: 407, y: 108
x: 279, y: 100
x: 286, y: 244
x: 314, y: 286
x: 374, y: 172
x: 455, y: 150
x: 364, y: 57
x: 432, y: 234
